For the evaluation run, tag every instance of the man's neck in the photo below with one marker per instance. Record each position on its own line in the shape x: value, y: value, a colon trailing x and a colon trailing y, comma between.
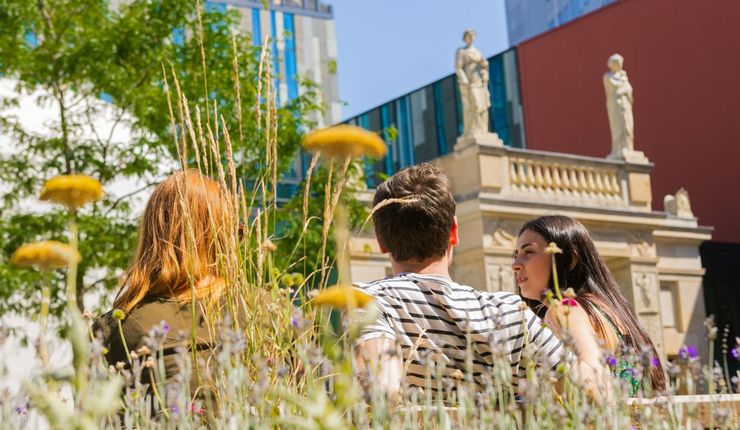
x: 430, y: 266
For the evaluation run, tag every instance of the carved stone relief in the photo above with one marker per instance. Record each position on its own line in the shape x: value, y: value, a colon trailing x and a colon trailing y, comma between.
x: 500, y: 278
x: 641, y: 244
x: 500, y: 233
x: 646, y: 294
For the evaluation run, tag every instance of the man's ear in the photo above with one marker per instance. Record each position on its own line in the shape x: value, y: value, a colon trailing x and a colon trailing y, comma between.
x: 383, y: 249
x: 454, y: 239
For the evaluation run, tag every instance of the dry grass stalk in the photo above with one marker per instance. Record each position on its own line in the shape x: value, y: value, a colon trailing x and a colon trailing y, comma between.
x: 191, y: 131
x: 325, y: 225
x: 258, y: 100
x: 260, y: 251
x: 229, y: 158
x: 274, y: 149
x: 202, y: 56
x: 202, y: 140
x: 182, y: 150
x: 237, y: 87
x: 307, y: 190
x: 169, y: 106
x: 215, y: 152
x: 386, y: 202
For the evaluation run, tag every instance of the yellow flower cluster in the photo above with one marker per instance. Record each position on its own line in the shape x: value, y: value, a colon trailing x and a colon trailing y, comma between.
x: 45, y: 255
x: 342, y: 297
x: 72, y: 191
x: 345, y: 141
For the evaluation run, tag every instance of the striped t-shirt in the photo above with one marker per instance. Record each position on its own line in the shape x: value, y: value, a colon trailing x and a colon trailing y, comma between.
x: 433, y: 318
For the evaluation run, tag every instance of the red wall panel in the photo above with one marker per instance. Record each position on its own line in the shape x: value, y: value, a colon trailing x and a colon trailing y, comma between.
x: 683, y: 60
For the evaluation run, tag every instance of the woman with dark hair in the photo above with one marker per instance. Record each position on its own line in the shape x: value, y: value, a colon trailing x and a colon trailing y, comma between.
x: 598, y: 313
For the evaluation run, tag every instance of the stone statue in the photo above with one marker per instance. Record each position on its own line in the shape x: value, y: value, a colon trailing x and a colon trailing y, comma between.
x: 471, y: 69
x: 619, y: 107
x: 678, y: 205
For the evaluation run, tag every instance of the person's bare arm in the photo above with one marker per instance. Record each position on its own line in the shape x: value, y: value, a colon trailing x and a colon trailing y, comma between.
x: 385, y: 365
x: 590, y: 367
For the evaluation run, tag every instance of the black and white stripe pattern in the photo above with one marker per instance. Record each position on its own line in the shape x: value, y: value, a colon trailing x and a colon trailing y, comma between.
x: 435, y: 320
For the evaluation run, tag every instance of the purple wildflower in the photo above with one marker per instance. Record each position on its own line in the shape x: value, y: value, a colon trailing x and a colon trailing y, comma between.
x: 655, y: 361
x: 22, y: 409
x: 611, y: 360
x: 687, y: 352
x: 735, y: 352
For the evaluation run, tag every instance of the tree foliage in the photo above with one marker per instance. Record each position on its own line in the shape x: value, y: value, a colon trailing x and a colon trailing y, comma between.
x: 104, y: 70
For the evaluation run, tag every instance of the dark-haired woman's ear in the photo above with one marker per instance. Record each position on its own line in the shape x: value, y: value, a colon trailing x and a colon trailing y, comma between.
x: 573, y: 260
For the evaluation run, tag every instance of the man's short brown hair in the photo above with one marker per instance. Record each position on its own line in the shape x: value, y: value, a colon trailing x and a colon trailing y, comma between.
x: 418, y: 227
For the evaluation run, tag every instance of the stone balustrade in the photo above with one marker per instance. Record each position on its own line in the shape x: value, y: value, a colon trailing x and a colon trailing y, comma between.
x: 529, y: 175
x: 556, y: 177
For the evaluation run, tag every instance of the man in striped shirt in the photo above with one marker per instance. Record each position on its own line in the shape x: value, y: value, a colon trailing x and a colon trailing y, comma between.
x: 441, y: 328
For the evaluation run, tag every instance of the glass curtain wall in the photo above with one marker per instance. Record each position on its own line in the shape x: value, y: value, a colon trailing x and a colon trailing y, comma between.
x: 425, y: 124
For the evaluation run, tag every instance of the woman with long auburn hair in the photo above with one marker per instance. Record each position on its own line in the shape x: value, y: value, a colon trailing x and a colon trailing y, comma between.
x: 598, y: 313
x: 175, y: 277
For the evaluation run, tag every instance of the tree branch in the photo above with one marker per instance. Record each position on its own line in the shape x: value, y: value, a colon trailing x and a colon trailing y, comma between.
x: 125, y: 196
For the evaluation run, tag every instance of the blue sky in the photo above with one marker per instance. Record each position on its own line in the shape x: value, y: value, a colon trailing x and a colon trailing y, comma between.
x: 386, y: 48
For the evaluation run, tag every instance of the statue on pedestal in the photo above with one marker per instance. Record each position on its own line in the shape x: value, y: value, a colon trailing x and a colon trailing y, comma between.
x: 678, y: 204
x: 619, y: 103
x: 471, y: 69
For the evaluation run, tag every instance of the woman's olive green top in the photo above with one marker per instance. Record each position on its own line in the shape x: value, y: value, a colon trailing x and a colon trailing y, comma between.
x: 171, y: 325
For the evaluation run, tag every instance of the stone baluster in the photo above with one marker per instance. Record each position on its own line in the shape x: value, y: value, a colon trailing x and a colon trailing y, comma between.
x: 556, y: 181
x: 539, y: 181
x: 513, y: 174
x: 530, y: 175
x: 547, y: 176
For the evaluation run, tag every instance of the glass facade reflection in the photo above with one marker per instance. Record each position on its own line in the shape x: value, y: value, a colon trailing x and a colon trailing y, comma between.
x: 426, y: 123
x: 528, y: 18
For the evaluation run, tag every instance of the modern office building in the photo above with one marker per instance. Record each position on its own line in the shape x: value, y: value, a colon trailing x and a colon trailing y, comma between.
x: 549, y: 108
x: 302, y: 35
x: 424, y: 124
x: 528, y: 18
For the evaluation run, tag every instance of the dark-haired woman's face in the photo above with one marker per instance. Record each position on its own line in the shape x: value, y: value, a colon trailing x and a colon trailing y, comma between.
x: 531, y: 264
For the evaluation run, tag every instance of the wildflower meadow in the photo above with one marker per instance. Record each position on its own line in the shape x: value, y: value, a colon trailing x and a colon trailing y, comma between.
x: 286, y: 323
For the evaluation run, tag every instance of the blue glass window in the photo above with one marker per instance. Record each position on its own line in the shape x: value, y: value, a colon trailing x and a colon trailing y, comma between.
x: 275, y: 59
x: 291, y: 71
x: 256, y: 27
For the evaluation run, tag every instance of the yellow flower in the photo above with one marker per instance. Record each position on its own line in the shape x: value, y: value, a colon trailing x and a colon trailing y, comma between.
x: 45, y: 255
x: 345, y: 141
x: 72, y: 191
x: 552, y: 248
x: 342, y: 297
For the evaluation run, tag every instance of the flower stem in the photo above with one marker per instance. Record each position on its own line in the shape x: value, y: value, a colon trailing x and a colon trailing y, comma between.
x: 123, y: 341
x: 555, y: 281
x: 78, y: 335
x: 45, y: 299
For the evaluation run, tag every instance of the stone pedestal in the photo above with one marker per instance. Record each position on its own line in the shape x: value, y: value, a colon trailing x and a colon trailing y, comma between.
x: 483, y: 139
x: 629, y: 156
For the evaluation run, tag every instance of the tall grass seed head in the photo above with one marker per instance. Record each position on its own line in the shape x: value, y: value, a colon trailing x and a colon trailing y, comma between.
x: 45, y: 255
x: 552, y: 248
x: 72, y: 191
x: 345, y: 141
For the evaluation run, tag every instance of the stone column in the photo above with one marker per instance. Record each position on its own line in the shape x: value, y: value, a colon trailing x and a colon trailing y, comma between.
x: 638, y: 279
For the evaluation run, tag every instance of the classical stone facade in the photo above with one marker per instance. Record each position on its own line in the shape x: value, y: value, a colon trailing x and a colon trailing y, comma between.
x: 653, y: 255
